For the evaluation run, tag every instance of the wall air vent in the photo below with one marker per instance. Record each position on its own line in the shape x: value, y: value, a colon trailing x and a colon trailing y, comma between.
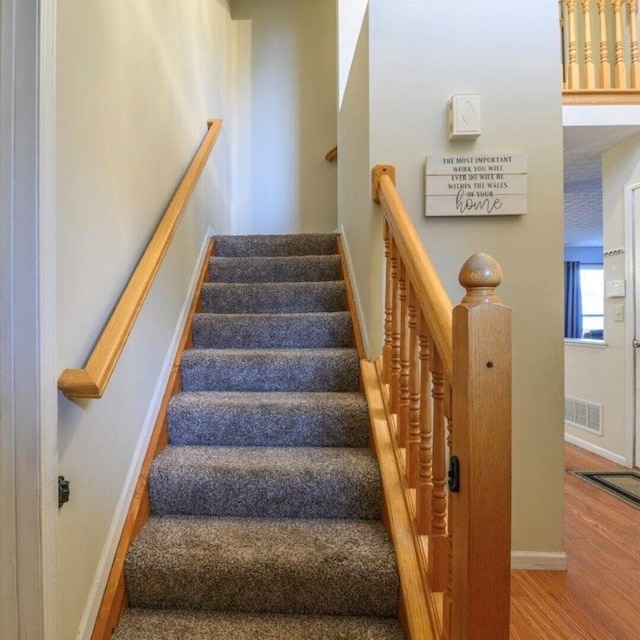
x: 583, y: 414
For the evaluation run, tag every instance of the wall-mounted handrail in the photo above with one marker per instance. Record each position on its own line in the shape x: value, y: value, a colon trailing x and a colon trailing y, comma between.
x: 445, y: 377
x: 332, y: 154
x: 92, y: 379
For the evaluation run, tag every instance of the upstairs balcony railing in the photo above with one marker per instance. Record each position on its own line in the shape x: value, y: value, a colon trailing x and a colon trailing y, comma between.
x: 600, y: 51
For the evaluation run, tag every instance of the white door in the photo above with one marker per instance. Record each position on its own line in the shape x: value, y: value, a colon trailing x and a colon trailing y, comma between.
x: 633, y: 308
x: 28, y: 397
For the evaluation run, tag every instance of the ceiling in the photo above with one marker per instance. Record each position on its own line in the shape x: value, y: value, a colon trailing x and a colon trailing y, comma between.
x: 583, y: 149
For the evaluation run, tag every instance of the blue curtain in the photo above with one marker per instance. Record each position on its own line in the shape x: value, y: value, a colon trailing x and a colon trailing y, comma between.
x: 572, y: 300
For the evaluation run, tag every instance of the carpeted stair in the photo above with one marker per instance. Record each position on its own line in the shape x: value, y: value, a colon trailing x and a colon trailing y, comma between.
x: 267, y: 503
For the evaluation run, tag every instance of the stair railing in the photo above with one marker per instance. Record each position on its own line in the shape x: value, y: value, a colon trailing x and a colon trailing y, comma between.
x: 446, y: 376
x: 610, y: 27
x: 91, y: 381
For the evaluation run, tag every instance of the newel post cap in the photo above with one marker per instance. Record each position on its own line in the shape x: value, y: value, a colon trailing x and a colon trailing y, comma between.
x: 480, y: 275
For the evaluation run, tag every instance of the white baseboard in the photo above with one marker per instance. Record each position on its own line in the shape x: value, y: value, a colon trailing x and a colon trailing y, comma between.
x: 539, y: 560
x: 354, y: 287
x: 117, y: 524
x: 594, y: 448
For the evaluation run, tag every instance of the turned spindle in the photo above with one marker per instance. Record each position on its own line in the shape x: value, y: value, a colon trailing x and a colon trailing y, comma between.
x: 588, y: 70
x: 620, y: 69
x: 605, y: 63
x: 635, y: 49
x: 573, y: 69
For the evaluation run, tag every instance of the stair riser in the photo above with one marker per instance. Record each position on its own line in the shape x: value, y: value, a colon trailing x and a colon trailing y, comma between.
x: 270, y: 298
x: 197, y: 488
x: 311, y: 269
x: 140, y: 624
x: 209, y: 370
x: 303, y: 331
x: 269, y: 245
x: 315, y: 423
x: 297, y: 571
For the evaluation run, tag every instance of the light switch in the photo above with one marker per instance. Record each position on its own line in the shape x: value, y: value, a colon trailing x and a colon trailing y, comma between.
x: 618, y: 313
x: 464, y: 116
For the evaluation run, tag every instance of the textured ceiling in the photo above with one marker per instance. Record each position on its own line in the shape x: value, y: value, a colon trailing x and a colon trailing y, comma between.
x: 583, y: 149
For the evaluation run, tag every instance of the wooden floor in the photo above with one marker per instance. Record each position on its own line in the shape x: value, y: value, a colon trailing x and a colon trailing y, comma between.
x: 598, y: 598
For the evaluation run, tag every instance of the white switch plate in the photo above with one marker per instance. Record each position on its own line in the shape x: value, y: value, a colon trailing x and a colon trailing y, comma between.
x: 618, y: 313
x: 464, y: 116
x: 616, y: 289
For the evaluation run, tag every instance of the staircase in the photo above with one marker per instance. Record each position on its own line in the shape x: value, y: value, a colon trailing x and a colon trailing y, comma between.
x: 267, y: 503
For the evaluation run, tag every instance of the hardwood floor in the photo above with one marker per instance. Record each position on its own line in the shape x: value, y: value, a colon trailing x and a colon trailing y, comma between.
x: 598, y: 598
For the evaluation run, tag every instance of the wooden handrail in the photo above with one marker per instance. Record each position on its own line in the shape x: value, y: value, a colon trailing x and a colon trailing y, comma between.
x: 92, y: 380
x: 331, y: 155
x: 431, y: 296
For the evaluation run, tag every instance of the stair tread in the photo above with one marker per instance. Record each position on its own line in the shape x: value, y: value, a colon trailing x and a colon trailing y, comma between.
x: 330, y: 369
x: 282, y: 482
x: 158, y: 624
x: 275, y: 269
x: 325, y: 567
x: 276, y: 245
x: 272, y: 330
x: 338, y: 418
x: 273, y: 297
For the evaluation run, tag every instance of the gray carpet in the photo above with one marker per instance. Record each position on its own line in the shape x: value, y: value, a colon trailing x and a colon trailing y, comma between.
x: 266, y: 503
x: 144, y: 624
x: 313, y: 419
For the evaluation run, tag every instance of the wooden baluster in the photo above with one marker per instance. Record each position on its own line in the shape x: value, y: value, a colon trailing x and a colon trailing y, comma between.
x: 620, y: 69
x: 562, y: 45
x: 605, y: 64
x: 438, y: 553
x: 589, y: 70
x: 394, y: 379
x: 481, y: 517
x: 635, y: 48
x: 403, y: 411
x: 448, y: 594
x: 425, y: 478
x: 388, y: 306
x: 413, y: 439
x: 573, y: 70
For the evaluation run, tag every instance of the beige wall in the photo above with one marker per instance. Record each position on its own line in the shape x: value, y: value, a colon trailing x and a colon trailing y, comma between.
x: 135, y: 85
x: 419, y: 55
x: 598, y: 375
x: 287, y: 73
x: 358, y: 220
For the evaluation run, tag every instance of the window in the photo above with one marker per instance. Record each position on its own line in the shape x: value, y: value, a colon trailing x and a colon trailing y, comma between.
x: 592, y: 289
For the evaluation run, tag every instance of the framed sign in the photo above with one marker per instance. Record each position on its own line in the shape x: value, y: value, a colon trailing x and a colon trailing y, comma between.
x: 491, y: 184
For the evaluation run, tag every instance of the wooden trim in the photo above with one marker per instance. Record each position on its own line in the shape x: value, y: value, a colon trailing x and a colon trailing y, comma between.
x: 351, y: 301
x: 332, y: 154
x: 417, y: 605
x: 600, y: 96
x: 91, y: 381
x: 431, y: 296
x: 114, y: 600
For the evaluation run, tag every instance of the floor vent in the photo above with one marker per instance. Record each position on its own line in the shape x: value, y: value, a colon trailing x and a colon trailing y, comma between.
x: 582, y: 414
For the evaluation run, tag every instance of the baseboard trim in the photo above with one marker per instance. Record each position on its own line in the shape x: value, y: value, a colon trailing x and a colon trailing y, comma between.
x: 105, y: 563
x: 539, y: 560
x: 594, y: 448
x: 354, y: 287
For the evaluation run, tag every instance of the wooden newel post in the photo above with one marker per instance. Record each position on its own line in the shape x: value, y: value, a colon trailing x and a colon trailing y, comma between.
x: 481, y: 510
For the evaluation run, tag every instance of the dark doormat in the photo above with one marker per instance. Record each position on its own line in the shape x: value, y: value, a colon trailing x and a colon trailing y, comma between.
x: 622, y: 484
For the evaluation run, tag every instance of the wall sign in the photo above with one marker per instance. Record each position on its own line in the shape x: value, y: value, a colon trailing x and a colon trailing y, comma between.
x: 491, y: 184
